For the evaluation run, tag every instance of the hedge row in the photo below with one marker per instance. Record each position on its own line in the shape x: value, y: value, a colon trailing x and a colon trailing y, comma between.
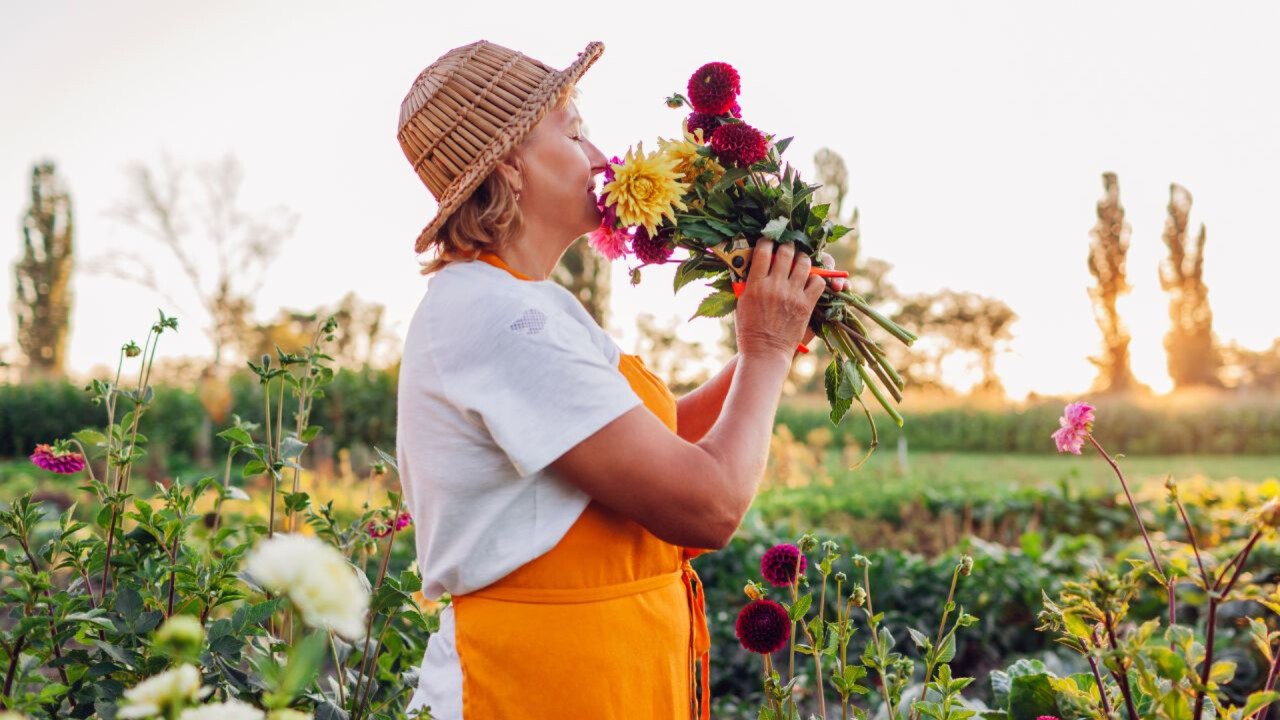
x: 359, y: 410
x: 1235, y: 427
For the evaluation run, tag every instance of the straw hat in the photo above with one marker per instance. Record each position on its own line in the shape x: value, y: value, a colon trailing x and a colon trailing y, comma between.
x: 467, y: 109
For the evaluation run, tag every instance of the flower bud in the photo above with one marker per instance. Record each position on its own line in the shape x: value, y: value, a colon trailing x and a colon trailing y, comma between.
x: 266, y: 361
x: 966, y: 565
x: 859, y: 596
x: 132, y: 349
x: 861, y: 561
x: 807, y: 543
x: 1268, y: 515
x: 752, y: 591
x: 180, y: 636
x: 841, y: 577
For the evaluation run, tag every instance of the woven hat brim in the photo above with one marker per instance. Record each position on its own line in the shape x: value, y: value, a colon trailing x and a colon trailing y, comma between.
x: 533, y: 110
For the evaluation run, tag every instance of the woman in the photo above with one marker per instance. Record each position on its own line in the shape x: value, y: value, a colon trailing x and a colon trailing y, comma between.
x: 558, y: 487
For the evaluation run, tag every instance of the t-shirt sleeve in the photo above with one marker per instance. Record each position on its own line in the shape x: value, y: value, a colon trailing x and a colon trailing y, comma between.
x: 536, y: 379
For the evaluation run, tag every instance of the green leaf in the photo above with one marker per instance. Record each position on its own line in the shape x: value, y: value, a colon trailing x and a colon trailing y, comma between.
x: 716, y: 305
x: 1256, y: 702
x: 236, y: 435
x: 304, y: 663
x: 731, y: 176
x: 1032, y: 696
x: 311, y: 432
x: 774, y: 228
x: 797, y: 611
x: 90, y: 438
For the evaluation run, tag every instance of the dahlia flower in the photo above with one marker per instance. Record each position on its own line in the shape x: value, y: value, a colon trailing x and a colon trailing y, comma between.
x: 609, y: 241
x: 56, y: 458
x: 232, y: 709
x: 688, y: 162
x: 646, y: 188
x: 158, y: 693
x: 316, y: 578
x: 651, y: 249
x: 713, y: 88
x: 1076, y: 422
x: 778, y: 565
x: 739, y: 144
x: 379, y: 528
x: 763, y: 626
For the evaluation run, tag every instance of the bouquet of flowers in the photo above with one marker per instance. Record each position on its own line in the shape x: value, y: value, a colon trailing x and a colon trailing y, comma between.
x: 712, y: 192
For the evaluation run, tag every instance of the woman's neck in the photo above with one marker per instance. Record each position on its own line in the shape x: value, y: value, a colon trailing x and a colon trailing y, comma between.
x: 528, y: 259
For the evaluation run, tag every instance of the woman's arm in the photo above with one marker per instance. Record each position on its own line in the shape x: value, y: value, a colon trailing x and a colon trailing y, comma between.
x: 697, y: 410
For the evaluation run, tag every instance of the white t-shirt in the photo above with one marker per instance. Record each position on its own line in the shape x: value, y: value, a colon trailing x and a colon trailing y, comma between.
x: 499, y: 377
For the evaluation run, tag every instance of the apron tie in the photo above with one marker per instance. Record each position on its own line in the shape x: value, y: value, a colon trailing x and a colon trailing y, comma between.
x: 700, y: 637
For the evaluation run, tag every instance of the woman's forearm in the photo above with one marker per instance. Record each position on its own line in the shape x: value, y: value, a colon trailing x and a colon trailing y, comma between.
x: 738, y: 441
x: 698, y: 409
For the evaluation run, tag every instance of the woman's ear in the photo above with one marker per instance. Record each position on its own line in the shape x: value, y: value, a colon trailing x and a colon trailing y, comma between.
x: 511, y: 167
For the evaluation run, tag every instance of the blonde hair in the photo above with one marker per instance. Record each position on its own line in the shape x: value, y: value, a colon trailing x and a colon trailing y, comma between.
x: 488, y: 219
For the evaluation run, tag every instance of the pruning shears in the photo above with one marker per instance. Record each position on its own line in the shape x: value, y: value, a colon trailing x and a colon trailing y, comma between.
x: 736, y: 254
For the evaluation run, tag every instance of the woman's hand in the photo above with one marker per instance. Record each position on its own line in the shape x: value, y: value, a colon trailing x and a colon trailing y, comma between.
x: 775, y: 306
x: 837, y: 284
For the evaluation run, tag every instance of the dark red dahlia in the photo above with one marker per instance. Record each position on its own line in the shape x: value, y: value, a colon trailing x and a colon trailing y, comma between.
x: 763, y: 626
x: 651, y: 250
x: 778, y: 565
x: 63, y: 462
x: 706, y: 121
x: 739, y: 144
x: 713, y: 88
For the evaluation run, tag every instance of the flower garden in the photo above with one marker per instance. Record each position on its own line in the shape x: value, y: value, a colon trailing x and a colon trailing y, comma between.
x: 266, y: 591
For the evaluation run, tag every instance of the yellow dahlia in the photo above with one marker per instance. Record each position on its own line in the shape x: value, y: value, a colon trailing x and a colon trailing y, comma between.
x: 685, y: 154
x: 645, y: 188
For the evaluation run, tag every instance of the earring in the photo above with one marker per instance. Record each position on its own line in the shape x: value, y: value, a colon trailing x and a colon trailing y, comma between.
x: 517, y: 194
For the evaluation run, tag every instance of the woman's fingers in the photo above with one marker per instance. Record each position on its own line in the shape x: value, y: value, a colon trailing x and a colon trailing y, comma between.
x: 762, y: 257
x: 800, y: 268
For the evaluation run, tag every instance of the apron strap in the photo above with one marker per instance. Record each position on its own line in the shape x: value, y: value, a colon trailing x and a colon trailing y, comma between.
x: 700, y: 638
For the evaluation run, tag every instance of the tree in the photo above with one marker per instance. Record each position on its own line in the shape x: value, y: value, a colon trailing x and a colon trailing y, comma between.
x: 42, y: 277
x: 950, y: 322
x: 1108, y: 249
x: 1247, y: 369
x: 360, y: 340
x: 1190, y: 347
x: 585, y: 273
x: 161, y: 206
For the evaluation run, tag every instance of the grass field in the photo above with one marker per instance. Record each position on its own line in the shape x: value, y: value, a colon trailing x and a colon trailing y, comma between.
x: 1002, y: 471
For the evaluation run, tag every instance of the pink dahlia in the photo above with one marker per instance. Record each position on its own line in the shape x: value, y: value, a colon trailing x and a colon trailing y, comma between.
x: 380, y: 527
x: 609, y: 241
x: 763, y: 626
x: 57, y: 459
x: 739, y: 144
x: 651, y: 250
x: 778, y: 565
x: 713, y: 88
x: 403, y: 520
x: 1077, y: 423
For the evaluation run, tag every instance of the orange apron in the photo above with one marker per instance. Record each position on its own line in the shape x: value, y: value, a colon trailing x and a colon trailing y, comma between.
x: 607, y: 625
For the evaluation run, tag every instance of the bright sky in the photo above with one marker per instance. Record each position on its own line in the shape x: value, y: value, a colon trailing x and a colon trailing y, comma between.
x: 976, y: 135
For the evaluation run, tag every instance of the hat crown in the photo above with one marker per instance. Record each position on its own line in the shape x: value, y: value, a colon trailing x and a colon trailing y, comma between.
x: 460, y: 104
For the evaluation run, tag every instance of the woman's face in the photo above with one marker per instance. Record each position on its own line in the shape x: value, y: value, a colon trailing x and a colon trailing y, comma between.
x: 557, y: 176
